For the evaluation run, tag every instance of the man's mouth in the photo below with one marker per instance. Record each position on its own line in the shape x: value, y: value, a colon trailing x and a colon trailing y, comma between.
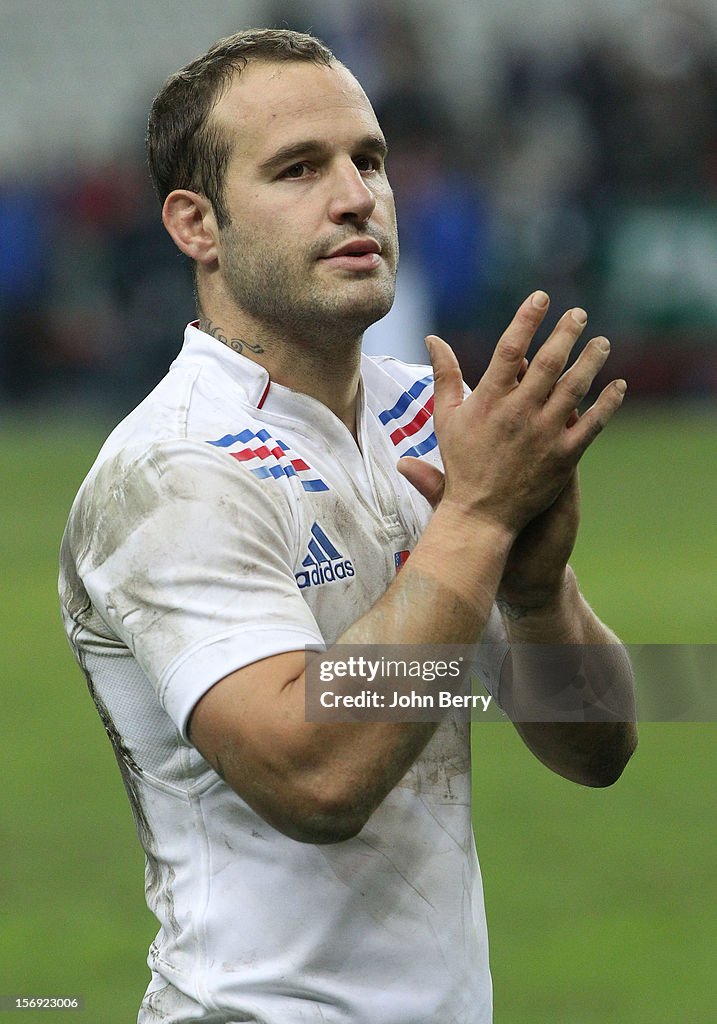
x: 358, y: 254
x: 356, y: 247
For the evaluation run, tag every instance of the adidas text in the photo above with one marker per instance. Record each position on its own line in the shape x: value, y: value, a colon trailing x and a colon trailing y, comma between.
x: 327, y: 573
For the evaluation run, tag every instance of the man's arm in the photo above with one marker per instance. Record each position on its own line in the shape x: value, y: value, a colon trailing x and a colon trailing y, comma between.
x: 590, y: 672
x: 579, y: 724
x: 589, y: 692
x: 508, y: 454
x: 319, y: 782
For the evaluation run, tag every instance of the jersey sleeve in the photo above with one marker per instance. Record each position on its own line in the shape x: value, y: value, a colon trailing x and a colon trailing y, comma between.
x: 188, y: 560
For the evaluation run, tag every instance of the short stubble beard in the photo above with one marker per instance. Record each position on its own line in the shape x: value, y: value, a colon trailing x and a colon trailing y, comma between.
x: 302, y: 308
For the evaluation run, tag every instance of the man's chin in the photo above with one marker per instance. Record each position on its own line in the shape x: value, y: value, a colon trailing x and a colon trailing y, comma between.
x: 361, y: 316
x: 370, y: 306
x: 341, y: 316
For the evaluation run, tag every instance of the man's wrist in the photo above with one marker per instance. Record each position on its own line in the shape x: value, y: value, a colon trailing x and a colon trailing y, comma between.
x: 470, y: 524
x: 547, y: 613
x: 465, y: 554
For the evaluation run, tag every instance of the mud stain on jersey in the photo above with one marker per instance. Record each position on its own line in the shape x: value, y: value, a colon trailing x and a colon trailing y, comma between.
x: 116, y: 501
x: 444, y: 765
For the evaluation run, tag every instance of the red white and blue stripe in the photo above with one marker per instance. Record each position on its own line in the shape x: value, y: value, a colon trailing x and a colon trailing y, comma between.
x: 274, y: 457
x: 410, y: 420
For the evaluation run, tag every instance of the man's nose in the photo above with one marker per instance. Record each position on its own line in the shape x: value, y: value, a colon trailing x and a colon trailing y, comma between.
x: 351, y: 199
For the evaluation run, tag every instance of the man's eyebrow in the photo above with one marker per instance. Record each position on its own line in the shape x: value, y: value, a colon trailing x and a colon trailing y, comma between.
x: 373, y: 144
x: 313, y: 147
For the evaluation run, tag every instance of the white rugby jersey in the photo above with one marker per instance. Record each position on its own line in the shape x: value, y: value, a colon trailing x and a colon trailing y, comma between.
x: 225, y: 520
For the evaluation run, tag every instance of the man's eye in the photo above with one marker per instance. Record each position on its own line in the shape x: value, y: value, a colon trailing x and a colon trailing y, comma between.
x: 295, y: 171
x: 366, y: 163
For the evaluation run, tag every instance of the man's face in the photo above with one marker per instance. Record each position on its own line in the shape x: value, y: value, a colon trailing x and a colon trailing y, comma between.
x: 312, y: 244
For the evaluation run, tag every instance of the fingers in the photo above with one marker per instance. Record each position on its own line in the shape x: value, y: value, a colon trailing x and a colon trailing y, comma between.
x: 545, y: 383
x: 507, y: 361
x: 581, y: 435
x: 549, y: 361
x: 523, y: 389
x: 576, y: 382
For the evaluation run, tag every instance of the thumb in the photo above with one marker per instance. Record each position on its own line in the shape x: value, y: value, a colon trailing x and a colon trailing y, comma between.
x: 447, y: 377
x: 427, y: 479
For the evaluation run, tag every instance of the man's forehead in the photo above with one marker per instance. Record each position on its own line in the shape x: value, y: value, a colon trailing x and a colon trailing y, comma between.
x: 269, y: 97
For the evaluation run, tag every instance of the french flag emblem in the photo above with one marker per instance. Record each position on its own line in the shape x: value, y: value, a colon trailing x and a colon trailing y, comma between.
x: 400, y: 558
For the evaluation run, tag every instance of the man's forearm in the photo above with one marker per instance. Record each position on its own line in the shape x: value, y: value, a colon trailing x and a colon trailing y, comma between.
x: 445, y: 592
x: 443, y: 595
x: 568, y: 687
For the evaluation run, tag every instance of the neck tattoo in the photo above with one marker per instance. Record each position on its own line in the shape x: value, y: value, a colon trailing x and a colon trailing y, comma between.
x: 237, y: 344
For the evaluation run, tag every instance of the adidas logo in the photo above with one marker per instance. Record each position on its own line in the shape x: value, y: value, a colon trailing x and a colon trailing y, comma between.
x: 323, y: 564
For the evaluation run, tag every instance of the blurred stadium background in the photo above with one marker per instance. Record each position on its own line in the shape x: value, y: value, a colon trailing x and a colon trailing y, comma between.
x: 568, y: 147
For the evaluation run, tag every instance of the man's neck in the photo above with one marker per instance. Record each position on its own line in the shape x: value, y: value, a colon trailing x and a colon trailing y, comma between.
x: 330, y: 374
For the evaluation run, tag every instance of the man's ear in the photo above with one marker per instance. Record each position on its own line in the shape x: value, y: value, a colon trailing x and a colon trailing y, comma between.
x: 189, y: 219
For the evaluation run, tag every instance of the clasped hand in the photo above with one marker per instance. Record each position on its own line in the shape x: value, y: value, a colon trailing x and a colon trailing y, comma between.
x: 510, y: 449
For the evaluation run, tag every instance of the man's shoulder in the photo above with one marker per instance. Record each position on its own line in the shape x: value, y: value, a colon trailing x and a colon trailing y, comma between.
x: 174, y: 445
x: 190, y: 405
x: 154, y: 490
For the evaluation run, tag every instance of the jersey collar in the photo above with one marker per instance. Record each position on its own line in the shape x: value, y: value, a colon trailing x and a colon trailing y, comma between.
x: 250, y: 376
x: 260, y: 390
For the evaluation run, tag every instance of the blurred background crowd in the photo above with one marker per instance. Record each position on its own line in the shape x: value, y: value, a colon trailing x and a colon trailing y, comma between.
x: 529, y: 147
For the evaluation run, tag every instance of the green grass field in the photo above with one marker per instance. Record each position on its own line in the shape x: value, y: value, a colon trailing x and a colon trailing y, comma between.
x: 601, y: 903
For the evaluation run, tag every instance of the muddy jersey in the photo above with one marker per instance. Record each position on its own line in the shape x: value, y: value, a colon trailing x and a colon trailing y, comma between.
x: 229, y: 519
